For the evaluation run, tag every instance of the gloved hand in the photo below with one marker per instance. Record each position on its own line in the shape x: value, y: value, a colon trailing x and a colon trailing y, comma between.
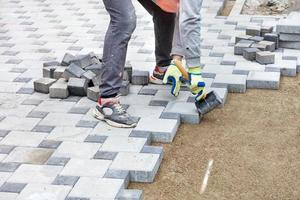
x: 196, y: 83
x: 173, y: 75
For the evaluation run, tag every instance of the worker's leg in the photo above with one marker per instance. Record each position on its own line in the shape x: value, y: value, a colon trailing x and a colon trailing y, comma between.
x: 121, y: 27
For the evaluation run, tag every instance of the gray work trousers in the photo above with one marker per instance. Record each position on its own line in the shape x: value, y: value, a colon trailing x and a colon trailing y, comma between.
x: 187, y: 40
x: 121, y: 26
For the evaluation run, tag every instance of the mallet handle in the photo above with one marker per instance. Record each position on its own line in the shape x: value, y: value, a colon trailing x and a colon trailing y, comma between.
x: 178, y: 64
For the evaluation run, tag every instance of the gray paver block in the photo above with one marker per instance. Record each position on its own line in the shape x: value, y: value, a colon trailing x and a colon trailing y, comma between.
x: 34, y: 102
x: 4, y: 133
x: 289, y: 45
x: 242, y: 37
x: 76, y: 198
x: 88, y: 75
x: 265, y: 57
x: 105, y: 155
x: 93, y: 93
x: 130, y: 194
x: 153, y: 149
x: 95, y: 68
x: 234, y: 83
x: 263, y: 80
x: 42, y: 85
x: 49, y: 144
x: 141, y: 166
x: 266, y: 29
x: 261, y: 47
x: 9, y: 167
x: 85, y: 60
x: 87, y: 124
x: 148, y: 91
x: 140, y: 134
x: 43, y: 128
x: 65, y: 180
x: 78, y: 86
x: 270, y: 46
x: 256, y: 38
x: 67, y: 59
x: 187, y: 112
x: 241, y: 45
x: 124, y: 90
x: 25, y: 91
x: 140, y: 77
x: 254, y: 31
x: 37, y: 114
x: 59, y: 72
x: 73, y: 71
x: 273, y: 37
x: 51, y: 63
x: 59, y: 89
x: 118, y: 174
x: 79, y: 110
x: 289, y: 37
x: 48, y: 72
x: 163, y: 131
x: 222, y: 93
x: 95, y: 138
x: 59, y: 161
x: 6, y: 149
x: 12, y: 187
x: 250, y: 53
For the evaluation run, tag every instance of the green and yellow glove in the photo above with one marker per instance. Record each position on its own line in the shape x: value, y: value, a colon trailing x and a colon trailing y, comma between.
x: 196, y: 83
x: 173, y: 75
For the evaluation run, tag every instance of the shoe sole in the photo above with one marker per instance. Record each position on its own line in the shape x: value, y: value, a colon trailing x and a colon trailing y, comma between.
x: 99, y: 116
x: 154, y: 80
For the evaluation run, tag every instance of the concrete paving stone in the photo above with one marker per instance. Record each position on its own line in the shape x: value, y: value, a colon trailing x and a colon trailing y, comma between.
x: 8, y: 196
x: 59, y: 89
x: 18, y: 123
x: 65, y: 180
x: 234, y: 83
x: 77, y: 86
x: 298, y: 68
x: 12, y: 187
x: 73, y: 71
x: 263, y: 80
x: 256, y: 38
x: 93, y: 93
x: 44, y: 191
x: 265, y: 57
x: 145, y: 111
x: 18, y: 70
x: 266, y: 29
x: 95, y: 138
x: 140, y: 134
x: 123, y: 144
x: 6, y: 149
x: 87, y: 124
x: 270, y: 46
x: 210, y: 71
x: 48, y: 72
x: 164, y: 130
x: 253, y: 31
x: 186, y: 111
x: 76, y: 198
x: 58, y: 161
x: 37, y: 114
x: 140, y: 77
x: 28, y: 173
x: 289, y: 37
x: 77, y: 150
x: 125, y: 88
x: 51, y: 63
x: 141, y: 166
x: 42, y: 128
x: 95, y: 68
x: 289, y: 45
x: 58, y: 72
x: 76, y: 134
x: 96, y: 188
x: 25, y: 91
x: 49, y: 144
x: 66, y: 61
x: 137, y: 99
x: 261, y: 47
x: 273, y: 37
x: 153, y: 150
x: 75, y: 99
x: 34, y: 102
x: 250, y: 53
x: 286, y: 67
x: 86, y: 167
x: 23, y: 138
x: 163, y: 97
x: 79, y: 110
x: 118, y: 174
x: 130, y: 194
x: 290, y: 24
x: 28, y: 155
x: 22, y: 80
x: 241, y: 45
x: 60, y: 119
x: 221, y: 92
x: 9, y: 167
x: 84, y: 60
x: 105, y: 155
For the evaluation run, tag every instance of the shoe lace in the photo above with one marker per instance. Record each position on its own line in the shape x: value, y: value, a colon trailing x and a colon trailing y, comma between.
x: 119, y: 108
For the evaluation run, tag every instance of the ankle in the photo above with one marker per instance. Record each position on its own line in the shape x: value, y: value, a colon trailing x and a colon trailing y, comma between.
x: 102, y: 100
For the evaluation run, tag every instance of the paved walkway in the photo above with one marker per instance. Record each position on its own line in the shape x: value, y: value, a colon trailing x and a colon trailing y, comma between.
x: 55, y: 149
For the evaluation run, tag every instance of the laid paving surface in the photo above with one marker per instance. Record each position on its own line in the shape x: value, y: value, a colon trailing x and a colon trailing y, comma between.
x: 54, y: 148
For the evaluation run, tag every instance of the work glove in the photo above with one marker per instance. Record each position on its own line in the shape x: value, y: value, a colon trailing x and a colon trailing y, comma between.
x: 196, y: 83
x: 173, y: 76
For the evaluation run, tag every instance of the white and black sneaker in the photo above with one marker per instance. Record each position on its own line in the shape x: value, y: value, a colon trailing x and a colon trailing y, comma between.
x: 112, y: 112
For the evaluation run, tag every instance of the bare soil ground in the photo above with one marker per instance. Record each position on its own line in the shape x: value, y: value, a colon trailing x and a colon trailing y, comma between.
x: 254, y: 142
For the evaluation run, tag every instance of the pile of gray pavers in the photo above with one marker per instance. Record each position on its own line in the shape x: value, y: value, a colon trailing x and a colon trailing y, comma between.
x: 80, y: 75
x: 289, y: 31
x: 257, y: 44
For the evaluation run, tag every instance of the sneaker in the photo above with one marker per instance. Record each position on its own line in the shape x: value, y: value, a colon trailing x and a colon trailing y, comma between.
x: 112, y: 112
x: 157, y: 76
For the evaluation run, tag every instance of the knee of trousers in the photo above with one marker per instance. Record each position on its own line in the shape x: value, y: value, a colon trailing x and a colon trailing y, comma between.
x: 128, y: 23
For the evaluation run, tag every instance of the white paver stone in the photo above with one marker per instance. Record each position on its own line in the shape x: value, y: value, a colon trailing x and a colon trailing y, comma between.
x: 23, y: 138
x: 123, y: 144
x: 263, y: 80
x: 234, y: 83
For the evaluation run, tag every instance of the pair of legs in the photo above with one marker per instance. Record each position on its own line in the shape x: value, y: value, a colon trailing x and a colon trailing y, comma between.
x: 122, y: 25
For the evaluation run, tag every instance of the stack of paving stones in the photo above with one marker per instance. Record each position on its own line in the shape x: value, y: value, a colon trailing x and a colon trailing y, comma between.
x: 53, y: 148
x: 81, y: 76
x: 289, y: 31
x: 257, y: 45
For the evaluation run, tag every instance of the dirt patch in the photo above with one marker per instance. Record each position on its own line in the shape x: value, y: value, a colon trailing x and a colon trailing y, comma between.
x: 270, y: 7
x: 227, y: 7
x: 254, y: 142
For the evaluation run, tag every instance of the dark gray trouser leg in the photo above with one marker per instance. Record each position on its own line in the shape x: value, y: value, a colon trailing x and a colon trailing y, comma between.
x: 163, y: 28
x: 187, y: 32
x: 121, y: 27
